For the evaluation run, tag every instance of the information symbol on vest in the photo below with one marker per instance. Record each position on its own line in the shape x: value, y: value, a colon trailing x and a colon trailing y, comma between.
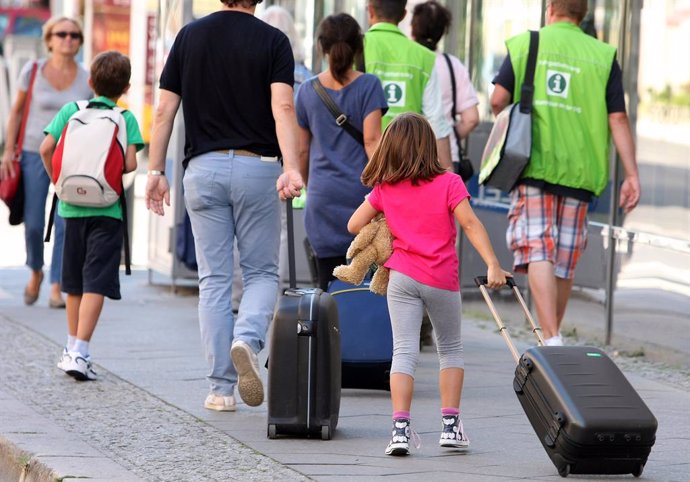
x: 557, y: 83
x: 395, y: 93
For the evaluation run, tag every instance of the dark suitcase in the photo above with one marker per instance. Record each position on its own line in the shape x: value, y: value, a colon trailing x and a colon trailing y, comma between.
x: 365, y: 334
x: 304, y: 360
x: 588, y: 417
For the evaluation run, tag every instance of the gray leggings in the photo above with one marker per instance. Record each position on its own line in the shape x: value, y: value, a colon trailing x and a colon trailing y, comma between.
x: 407, y: 300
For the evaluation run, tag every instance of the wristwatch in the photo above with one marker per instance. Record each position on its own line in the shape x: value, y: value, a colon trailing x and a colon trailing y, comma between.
x: 155, y: 172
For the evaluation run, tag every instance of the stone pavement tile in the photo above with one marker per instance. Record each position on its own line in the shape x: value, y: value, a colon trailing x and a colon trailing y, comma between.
x: 49, y: 445
x: 147, y: 436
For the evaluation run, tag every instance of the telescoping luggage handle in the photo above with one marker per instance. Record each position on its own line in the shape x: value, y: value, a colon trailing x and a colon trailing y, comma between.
x: 291, y: 244
x: 481, y: 282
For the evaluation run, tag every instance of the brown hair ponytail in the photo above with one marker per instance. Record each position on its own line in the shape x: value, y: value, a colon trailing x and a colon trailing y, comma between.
x: 340, y: 38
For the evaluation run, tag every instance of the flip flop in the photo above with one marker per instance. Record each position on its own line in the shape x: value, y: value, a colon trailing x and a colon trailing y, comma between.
x: 56, y: 303
x: 29, y: 297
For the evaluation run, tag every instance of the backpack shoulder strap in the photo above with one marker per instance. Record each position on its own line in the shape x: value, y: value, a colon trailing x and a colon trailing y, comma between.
x: 82, y: 104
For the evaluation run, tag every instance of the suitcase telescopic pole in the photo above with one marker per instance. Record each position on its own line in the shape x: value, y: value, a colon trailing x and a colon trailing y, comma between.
x: 536, y: 329
x: 481, y: 282
x: 292, y: 276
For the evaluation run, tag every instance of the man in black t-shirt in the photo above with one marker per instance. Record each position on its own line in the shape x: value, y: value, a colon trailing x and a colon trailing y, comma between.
x: 235, y: 76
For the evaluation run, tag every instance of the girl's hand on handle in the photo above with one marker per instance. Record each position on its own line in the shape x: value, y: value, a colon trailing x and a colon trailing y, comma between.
x: 496, y: 277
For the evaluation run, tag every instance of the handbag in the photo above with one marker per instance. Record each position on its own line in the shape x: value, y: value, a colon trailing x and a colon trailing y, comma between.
x: 509, y: 147
x: 10, y: 187
x: 340, y: 118
x: 463, y: 167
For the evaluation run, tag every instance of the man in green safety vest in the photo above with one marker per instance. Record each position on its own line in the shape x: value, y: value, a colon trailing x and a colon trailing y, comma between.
x: 406, y: 70
x: 578, y: 106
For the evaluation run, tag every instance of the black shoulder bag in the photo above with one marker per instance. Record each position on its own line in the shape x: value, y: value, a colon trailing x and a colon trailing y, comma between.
x: 463, y: 167
x: 340, y: 118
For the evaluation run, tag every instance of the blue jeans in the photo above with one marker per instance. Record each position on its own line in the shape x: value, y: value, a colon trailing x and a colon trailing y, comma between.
x: 230, y: 197
x: 36, y: 184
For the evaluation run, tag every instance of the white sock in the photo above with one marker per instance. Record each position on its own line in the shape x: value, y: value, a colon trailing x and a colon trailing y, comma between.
x: 554, y: 341
x: 82, y: 347
x: 70, y: 342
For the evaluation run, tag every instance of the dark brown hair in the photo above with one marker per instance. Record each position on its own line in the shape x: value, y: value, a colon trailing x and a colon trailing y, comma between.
x: 575, y: 9
x: 407, y: 151
x: 110, y: 73
x: 241, y: 3
x: 393, y: 10
x: 430, y: 21
x: 341, y: 39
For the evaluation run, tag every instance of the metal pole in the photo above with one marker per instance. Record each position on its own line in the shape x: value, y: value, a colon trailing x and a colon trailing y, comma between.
x: 629, y: 59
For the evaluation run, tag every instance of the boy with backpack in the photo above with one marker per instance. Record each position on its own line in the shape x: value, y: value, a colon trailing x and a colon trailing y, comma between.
x: 87, y: 148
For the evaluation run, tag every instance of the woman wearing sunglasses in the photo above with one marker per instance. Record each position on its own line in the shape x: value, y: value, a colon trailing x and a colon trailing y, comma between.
x: 59, y: 79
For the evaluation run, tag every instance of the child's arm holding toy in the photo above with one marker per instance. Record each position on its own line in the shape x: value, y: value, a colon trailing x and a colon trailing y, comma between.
x: 361, y: 217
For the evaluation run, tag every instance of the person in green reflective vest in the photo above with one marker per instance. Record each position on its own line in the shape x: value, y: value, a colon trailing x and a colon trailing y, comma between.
x: 578, y: 106
x: 406, y: 70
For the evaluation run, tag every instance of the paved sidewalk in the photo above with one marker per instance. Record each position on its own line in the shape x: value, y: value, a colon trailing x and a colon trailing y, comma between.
x: 144, y: 420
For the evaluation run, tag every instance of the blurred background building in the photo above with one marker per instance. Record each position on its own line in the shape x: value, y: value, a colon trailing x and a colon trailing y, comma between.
x: 637, y: 263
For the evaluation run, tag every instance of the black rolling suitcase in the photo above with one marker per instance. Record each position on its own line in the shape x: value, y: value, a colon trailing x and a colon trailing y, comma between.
x: 588, y: 417
x: 304, y: 359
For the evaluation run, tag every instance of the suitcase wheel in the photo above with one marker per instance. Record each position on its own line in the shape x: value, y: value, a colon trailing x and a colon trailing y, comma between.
x: 564, y: 471
x: 271, y: 431
x: 325, y: 432
x: 638, y: 470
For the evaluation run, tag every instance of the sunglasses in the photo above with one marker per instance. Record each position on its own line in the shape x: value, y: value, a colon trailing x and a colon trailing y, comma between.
x: 72, y: 35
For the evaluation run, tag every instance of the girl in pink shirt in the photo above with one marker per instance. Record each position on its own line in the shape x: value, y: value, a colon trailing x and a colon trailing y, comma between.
x: 421, y: 202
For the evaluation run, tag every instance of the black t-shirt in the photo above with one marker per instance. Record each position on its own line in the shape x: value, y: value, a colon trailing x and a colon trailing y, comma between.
x: 222, y: 66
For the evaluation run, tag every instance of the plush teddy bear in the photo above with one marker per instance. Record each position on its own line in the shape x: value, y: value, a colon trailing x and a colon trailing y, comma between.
x: 373, y: 245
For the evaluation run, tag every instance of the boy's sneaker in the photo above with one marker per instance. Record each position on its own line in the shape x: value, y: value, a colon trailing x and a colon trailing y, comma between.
x: 220, y: 403
x: 80, y: 367
x: 64, y: 361
x: 400, y: 437
x: 249, y: 383
x: 453, y: 433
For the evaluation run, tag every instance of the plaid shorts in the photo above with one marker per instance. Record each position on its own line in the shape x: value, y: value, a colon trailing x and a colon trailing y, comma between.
x: 546, y: 227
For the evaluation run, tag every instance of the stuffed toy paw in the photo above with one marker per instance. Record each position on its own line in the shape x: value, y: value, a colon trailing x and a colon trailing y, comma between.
x: 372, y: 246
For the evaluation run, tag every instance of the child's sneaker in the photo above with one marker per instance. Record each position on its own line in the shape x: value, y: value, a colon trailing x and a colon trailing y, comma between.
x: 400, y: 438
x: 80, y: 367
x: 453, y: 433
x: 64, y: 361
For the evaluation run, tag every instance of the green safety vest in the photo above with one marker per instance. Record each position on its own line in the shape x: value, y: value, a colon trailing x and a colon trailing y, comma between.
x: 403, y: 66
x: 570, y: 131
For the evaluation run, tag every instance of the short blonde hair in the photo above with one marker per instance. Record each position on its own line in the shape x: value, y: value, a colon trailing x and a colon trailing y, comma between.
x: 52, y: 22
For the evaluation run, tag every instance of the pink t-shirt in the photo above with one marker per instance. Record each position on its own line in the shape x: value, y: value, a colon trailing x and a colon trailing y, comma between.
x: 423, y: 226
